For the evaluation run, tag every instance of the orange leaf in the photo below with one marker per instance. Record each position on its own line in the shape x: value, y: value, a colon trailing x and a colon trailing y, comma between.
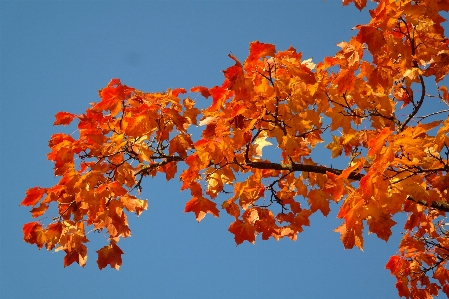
x: 402, y: 287
x: 350, y: 236
x: 180, y: 144
x: 53, y: 235
x: 200, y: 206
x: 110, y: 255
x: 335, y: 186
x: 381, y: 226
x: 39, y: 211
x: 345, y: 81
x: 335, y: 146
x: 318, y: 201
x: 231, y: 208
x: 242, y: 231
x: 78, y: 254
x: 140, y: 125
x: 170, y: 170
x: 358, y: 165
x: 376, y: 144
x: 132, y: 204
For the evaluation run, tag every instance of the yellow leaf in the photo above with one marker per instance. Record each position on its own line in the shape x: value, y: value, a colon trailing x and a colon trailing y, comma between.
x: 260, y: 143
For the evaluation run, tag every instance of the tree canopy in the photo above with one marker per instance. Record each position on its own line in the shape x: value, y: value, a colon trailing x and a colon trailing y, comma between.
x: 379, y: 107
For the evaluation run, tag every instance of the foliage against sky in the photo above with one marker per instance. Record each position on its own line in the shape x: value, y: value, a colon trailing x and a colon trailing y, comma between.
x: 363, y: 103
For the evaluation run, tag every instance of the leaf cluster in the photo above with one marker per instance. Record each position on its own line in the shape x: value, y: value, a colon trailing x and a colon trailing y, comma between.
x: 372, y: 105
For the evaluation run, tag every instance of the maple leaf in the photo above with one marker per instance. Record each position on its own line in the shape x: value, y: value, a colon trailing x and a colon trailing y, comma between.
x: 79, y: 256
x: 394, y: 264
x: 335, y: 186
x: 381, y: 226
x: 335, y: 146
x: 34, y: 234
x: 231, y: 208
x: 219, y: 95
x: 377, y: 143
x: 351, y: 236
x: 39, y: 211
x: 53, y: 235
x: 132, y: 204
x: 64, y: 118
x: 110, y: 255
x: 360, y: 4
x: 33, y: 196
x: 260, y: 143
x: 243, y: 231
x: 259, y: 50
x: 318, y: 201
x: 395, y: 160
x: 345, y: 81
x: 139, y: 124
x: 180, y: 144
x: 201, y: 89
x: 175, y: 92
x: 440, y: 67
x: 112, y: 96
x: 339, y: 120
x: 371, y: 36
x: 200, y: 206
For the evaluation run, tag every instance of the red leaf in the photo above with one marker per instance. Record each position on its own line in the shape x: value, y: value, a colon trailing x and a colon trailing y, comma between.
x: 372, y: 37
x: 112, y: 96
x: 203, y: 90
x: 33, y: 196
x: 64, y: 118
x: 259, y: 50
x: 33, y: 234
x: 177, y: 91
x: 360, y: 4
x: 393, y: 264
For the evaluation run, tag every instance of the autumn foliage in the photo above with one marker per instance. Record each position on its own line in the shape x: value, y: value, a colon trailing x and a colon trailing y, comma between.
x: 377, y: 109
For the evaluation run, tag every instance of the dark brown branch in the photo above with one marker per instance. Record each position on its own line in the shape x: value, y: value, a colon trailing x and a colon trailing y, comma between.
x: 168, y: 159
x: 432, y: 114
x: 439, y: 205
x: 417, y: 107
x: 301, y: 167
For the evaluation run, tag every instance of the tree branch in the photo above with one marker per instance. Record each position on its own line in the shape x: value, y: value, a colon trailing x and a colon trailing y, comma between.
x: 302, y: 167
x: 439, y: 205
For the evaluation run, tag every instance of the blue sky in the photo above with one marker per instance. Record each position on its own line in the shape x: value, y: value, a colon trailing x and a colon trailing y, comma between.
x: 56, y: 55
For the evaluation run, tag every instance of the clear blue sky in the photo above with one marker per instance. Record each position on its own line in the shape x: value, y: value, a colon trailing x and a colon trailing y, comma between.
x: 56, y: 55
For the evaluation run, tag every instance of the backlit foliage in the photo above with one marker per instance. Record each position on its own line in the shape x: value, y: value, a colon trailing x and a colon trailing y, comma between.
x: 378, y: 105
